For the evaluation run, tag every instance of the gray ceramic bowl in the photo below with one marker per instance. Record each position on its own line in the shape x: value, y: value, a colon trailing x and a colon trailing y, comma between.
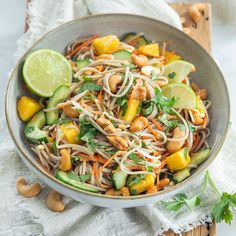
x: 208, y: 76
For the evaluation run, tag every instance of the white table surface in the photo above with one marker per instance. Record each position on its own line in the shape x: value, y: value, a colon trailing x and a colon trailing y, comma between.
x: 12, y: 14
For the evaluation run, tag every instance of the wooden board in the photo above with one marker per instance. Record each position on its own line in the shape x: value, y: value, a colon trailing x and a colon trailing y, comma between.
x: 201, y: 32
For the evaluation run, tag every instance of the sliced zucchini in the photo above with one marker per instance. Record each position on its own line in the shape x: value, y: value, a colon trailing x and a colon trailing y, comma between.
x: 181, y: 175
x: 122, y: 55
x: 118, y: 179
x: 63, y: 176
x: 199, y: 157
x: 82, y: 63
x: 58, y: 96
x: 32, y: 129
x: 142, y: 40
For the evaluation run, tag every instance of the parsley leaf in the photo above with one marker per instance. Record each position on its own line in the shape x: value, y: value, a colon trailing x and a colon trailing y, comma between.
x: 62, y: 120
x: 149, y: 168
x: 87, y: 78
x: 90, y: 86
x: 147, y: 107
x: 162, y: 103
x: 171, y: 75
x: 80, y: 178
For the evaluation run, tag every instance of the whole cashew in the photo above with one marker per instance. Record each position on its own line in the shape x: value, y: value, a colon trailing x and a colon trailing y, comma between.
x: 114, y: 81
x: 139, y: 93
x: 139, y: 60
x: 70, y: 112
x: 174, y: 146
x: 196, y: 11
x: 106, y: 125
x: 140, y: 123
x: 124, y: 191
x: 53, y: 201
x: 27, y: 190
x: 118, y: 142
x: 105, y: 57
x: 198, y: 120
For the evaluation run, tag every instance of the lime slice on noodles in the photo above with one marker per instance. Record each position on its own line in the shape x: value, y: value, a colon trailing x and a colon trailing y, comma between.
x: 45, y: 70
x: 185, y: 97
x: 177, y: 71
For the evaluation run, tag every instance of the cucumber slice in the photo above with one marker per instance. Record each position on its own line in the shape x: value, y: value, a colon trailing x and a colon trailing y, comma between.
x: 82, y: 63
x: 118, y: 179
x: 199, y: 157
x: 122, y: 55
x: 142, y: 40
x: 63, y: 176
x: 32, y: 129
x: 181, y: 175
x: 58, y: 96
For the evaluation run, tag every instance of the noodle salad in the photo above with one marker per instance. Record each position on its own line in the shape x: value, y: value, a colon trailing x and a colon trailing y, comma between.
x: 118, y: 117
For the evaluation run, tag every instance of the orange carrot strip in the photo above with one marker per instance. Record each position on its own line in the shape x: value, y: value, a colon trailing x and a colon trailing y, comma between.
x: 158, y: 125
x: 106, y: 164
x: 84, y: 44
x: 163, y: 182
x: 196, y: 141
x: 100, y: 97
x: 155, y: 134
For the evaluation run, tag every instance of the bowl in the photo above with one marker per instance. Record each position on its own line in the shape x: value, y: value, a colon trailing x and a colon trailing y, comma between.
x: 208, y: 76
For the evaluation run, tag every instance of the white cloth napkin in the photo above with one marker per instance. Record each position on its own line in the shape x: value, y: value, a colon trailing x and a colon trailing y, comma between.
x: 20, y: 216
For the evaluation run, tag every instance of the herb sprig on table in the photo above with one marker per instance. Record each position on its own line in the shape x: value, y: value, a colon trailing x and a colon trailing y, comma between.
x: 222, y: 210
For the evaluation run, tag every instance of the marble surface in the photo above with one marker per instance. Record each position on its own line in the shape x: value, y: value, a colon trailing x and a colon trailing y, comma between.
x: 12, y: 15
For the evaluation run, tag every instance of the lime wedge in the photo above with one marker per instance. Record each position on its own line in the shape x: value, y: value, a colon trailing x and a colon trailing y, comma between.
x: 177, y: 71
x: 185, y: 97
x: 45, y: 70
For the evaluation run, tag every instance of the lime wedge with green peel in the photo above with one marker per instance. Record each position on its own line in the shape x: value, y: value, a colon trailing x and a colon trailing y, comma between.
x: 184, y: 95
x: 177, y: 71
x: 45, y: 70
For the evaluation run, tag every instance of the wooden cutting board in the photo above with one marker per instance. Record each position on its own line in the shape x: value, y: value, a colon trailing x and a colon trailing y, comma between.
x: 201, y: 32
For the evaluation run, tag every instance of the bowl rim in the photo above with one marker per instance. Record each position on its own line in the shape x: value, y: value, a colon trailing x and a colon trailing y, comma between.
x: 177, y: 187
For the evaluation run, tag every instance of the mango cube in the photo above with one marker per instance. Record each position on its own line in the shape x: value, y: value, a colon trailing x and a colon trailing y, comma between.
x: 178, y: 160
x: 70, y: 132
x: 151, y: 50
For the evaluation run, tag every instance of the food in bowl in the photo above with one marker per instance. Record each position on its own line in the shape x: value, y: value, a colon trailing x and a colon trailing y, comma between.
x: 115, y: 116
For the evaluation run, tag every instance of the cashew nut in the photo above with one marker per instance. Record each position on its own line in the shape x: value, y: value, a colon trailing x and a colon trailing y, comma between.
x: 105, y: 57
x: 124, y: 191
x: 99, y: 81
x: 27, y: 190
x: 118, y: 142
x: 139, y: 93
x: 147, y: 70
x: 106, y: 125
x: 202, y: 93
x: 53, y: 201
x: 196, y: 11
x: 198, y: 120
x: 139, y: 60
x: 88, y: 72
x: 114, y: 81
x: 174, y: 146
x: 140, y: 123
x: 153, y: 189
x: 70, y: 112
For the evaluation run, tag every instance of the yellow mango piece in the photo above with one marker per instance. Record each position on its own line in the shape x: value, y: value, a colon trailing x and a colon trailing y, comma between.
x: 171, y: 57
x: 151, y: 50
x: 65, y: 164
x: 70, y: 132
x: 50, y: 139
x: 27, y: 107
x: 178, y: 160
x: 143, y: 185
x: 107, y: 44
x: 200, y: 107
x: 131, y: 111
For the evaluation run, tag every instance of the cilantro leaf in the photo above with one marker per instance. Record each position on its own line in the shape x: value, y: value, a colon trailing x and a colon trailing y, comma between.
x: 87, y: 78
x: 147, y: 107
x: 135, y: 179
x: 90, y: 86
x: 170, y: 124
x: 149, y: 168
x: 80, y: 178
x: 123, y: 104
x: 171, y: 75
x: 162, y: 103
x: 135, y: 158
x: 221, y: 210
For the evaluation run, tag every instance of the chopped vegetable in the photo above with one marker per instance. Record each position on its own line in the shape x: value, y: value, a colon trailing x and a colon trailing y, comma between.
x: 90, y: 86
x: 118, y: 179
x: 27, y: 107
x: 151, y: 50
x: 70, y: 131
x: 132, y: 110
x: 178, y: 160
x: 65, y: 164
x: 143, y: 185
x: 137, y: 42
x: 123, y: 55
x: 107, y: 44
x: 82, y: 63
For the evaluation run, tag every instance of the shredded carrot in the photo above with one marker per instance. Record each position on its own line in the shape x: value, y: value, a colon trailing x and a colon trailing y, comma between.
x: 131, y: 97
x: 95, y: 167
x: 145, y: 137
x: 136, y: 167
x: 204, y: 122
x: 163, y: 163
x: 100, y: 97
x: 158, y: 125
x: 95, y: 158
x: 165, y: 155
x: 106, y: 163
x: 84, y: 44
x: 163, y: 182
x: 155, y: 134
x: 196, y: 141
